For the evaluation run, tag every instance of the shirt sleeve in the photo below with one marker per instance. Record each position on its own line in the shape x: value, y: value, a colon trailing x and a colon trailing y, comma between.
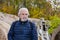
x: 34, y: 32
x: 11, y: 32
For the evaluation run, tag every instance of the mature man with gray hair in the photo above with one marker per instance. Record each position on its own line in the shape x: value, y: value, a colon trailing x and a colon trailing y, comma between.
x: 23, y: 29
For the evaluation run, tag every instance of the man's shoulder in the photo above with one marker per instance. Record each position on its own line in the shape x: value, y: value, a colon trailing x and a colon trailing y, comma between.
x: 14, y: 22
x: 31, y: 22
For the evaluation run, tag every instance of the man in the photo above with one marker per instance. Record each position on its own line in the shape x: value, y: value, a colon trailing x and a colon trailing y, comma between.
x: 23, y: 29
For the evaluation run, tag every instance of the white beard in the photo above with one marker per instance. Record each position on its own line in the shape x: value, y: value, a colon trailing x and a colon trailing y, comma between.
x: 24, y: 19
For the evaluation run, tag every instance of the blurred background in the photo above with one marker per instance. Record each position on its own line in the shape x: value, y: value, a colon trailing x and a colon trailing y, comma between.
x: 48, y: 9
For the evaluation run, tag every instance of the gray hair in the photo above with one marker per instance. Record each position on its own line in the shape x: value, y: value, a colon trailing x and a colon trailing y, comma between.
x: 19, y: 12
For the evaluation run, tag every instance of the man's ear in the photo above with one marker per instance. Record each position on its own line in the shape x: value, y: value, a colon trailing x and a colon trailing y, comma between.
x: 18, y: 15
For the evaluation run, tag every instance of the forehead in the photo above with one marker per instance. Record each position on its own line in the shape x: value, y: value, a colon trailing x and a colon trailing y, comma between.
x: 24, y: 11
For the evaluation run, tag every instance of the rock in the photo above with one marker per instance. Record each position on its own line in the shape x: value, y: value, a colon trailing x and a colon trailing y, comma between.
x: 5, y: 23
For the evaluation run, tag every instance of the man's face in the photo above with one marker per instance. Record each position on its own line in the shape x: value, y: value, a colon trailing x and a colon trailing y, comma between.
x: 23, y: 15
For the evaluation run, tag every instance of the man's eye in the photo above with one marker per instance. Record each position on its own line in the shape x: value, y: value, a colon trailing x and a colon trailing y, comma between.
x: 26, y: 14
x: 22, y: 14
